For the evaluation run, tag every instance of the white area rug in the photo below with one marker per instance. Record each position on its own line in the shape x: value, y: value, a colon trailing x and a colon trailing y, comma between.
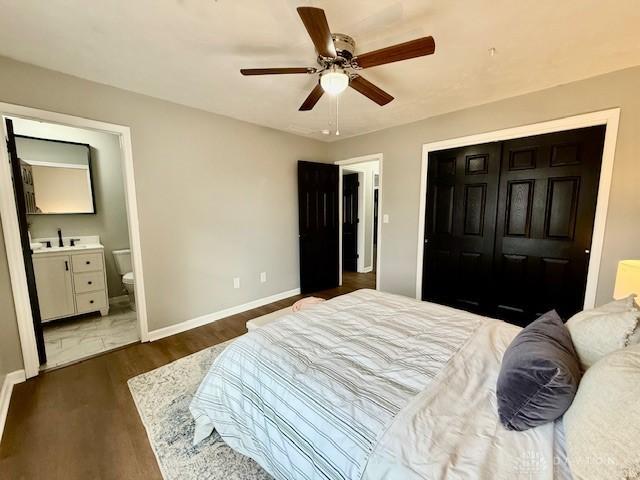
x: 163, y: 397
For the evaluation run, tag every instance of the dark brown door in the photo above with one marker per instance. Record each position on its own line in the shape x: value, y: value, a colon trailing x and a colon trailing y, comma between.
x: 508, y: 225
x: 318, y: 225
x: 375, y: 218
x: 21, y: 204
x: 460, y: 225
x: 350, y: 222
x: 546, y: 211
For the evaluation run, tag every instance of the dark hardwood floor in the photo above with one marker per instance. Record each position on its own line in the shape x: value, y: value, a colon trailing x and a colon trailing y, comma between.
x: 80, y: 422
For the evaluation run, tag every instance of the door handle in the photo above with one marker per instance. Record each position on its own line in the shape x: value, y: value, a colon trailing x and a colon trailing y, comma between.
x: 66, y: 265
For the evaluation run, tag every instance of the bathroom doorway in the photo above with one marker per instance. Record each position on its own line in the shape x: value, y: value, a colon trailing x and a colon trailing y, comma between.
x: 71, y: 206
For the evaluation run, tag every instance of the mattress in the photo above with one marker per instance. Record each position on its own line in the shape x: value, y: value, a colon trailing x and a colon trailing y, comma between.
x: 370, y: 386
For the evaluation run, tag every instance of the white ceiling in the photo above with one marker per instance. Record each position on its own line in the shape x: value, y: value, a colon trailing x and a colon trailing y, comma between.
x: 190, y: 51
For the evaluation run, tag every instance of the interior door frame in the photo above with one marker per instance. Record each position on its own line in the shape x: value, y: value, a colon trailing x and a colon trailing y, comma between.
x: 9, y: 215
x: 609, y: 118
x: 379, y: 157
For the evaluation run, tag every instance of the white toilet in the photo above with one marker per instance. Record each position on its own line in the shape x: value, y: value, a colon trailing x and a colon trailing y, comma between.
x: 125, y: 269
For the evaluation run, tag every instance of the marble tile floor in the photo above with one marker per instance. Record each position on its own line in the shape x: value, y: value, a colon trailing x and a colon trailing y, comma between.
x: 70, y: 340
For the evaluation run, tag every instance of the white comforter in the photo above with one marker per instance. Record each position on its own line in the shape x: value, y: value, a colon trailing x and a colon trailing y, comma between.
x: 370, y: 386
x: 451, y: 429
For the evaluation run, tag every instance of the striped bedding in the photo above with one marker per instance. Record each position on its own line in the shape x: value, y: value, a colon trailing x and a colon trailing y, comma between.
x: 310, y: 396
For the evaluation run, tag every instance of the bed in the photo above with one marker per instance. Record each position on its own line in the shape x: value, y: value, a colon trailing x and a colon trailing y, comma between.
x: 372, y: 386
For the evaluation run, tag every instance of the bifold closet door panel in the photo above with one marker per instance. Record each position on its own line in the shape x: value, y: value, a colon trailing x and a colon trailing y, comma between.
x: 546, y: 210
x: 460, y: 226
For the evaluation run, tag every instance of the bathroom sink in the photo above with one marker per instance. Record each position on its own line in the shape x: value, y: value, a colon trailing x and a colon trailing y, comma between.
x: 88, y: 242
x: 67, y: 248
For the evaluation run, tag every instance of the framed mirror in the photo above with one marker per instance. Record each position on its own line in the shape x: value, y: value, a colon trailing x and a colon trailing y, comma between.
x: 56, y: 176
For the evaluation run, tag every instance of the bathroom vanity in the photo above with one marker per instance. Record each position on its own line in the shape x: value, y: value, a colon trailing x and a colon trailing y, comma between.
x: 70, y: 280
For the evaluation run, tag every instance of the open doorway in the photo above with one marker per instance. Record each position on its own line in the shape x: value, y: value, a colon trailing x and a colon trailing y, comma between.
x: 360, y: 193
x: 70, y: 203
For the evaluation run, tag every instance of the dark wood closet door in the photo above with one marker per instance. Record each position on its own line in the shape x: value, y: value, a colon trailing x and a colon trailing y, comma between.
x: 318, y: 225
x: 546, y: 210
x: 350, y: 222
x: 460, y: 226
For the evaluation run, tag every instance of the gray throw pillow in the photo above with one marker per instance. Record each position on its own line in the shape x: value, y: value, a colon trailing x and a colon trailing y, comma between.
x: 539, y: 375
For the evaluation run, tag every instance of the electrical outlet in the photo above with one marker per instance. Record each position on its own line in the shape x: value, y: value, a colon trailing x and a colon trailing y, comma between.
x: 263, y: 277
x: 236, y: 282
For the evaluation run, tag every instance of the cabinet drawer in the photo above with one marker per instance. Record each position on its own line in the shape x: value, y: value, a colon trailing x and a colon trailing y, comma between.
x: 88, y: 282
x: 90, y: 302
x: 88, y: 262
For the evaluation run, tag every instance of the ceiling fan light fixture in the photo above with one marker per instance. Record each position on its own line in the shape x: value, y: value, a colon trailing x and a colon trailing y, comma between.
x: 334, y: 82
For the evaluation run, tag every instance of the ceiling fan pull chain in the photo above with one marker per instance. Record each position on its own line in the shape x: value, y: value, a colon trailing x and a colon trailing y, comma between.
x: 338, y: 115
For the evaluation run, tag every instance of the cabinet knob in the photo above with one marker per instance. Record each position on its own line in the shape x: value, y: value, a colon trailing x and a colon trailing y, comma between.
x: 90, y: 301
x: 89, y: 283
x: 88, y: 262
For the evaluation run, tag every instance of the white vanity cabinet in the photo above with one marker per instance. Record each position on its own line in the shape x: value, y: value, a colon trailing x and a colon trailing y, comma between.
x: 55, y: 286
x: 70, y: 282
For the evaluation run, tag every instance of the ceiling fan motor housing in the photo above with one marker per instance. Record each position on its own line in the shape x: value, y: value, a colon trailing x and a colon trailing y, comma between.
x: 345, y: 45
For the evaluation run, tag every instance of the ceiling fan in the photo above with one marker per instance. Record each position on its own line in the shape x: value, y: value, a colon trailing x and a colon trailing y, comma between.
x: 338, y: 66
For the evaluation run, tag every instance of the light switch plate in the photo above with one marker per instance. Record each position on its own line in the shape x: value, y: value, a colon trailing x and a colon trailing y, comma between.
x: 236, y: 282
x: 385, y: 218
x: 263, y: 277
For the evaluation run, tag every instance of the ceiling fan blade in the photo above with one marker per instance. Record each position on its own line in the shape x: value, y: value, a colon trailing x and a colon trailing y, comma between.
x: 315, y: 21
x: 402, y: 51
x: 276, y: 71
x: 369, y: 90
x: 312, y: 99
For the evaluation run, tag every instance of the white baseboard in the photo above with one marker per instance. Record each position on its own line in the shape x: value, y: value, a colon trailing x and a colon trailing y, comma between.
x: 367, y: 269
x: 212, y: 317
x: 10, y: 380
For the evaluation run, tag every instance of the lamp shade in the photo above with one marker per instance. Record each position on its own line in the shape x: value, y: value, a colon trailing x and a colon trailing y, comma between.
x: 334, y: 82
x: 627, y: 279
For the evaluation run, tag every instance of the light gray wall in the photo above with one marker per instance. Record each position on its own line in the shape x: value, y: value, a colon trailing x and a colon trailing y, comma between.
x: 217, y: 197
x: 10, y: 353
x: 110, y: 219
x: 402, y: 149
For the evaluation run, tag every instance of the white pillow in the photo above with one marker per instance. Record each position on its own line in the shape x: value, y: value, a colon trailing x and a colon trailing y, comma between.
x: 602, y: 426
x: 598, y: 332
